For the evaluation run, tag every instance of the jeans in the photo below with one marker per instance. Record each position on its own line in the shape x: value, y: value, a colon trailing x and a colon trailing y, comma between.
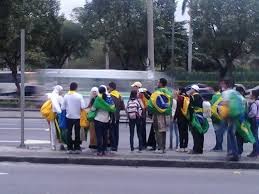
x: 174, y: 128
x: 254, y: 127
x: 144, y: 131
x: 198, y: 141
x: 220, y: 129
x: 183, y: 132
x: 101, y: 130
x: 115, y: 135
x: 73, y: 145
x: 232, y: 140
x: 132, y: 124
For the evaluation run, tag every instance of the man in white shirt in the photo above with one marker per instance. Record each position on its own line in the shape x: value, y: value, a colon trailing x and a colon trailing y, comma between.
x: 73, y: 104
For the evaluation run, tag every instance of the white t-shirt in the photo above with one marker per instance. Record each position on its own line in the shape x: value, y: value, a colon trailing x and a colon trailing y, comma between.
x: 73, y: 103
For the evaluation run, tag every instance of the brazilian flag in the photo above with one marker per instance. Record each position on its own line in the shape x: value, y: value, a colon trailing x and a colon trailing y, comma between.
x: 106, y: 105
x: 160, y: 102
x: 199, y: 123
x: 244, y: 130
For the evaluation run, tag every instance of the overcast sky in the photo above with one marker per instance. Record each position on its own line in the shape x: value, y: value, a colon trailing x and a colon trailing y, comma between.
x: 68, y: 5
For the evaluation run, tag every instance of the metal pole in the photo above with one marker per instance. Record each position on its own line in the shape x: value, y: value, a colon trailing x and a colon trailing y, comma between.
x: 107, y: 57
x: 173, y: 36
x: 190, y: 42
x: 22, y: 92
x: 150, y: 32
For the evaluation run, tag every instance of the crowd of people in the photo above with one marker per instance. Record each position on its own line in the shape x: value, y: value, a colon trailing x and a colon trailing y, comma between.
x: 178, y: 111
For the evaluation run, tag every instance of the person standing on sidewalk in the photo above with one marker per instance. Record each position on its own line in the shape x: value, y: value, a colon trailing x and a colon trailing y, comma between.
x: 103, y: 106
x: 134, y: 112
x: 93, y: 94
x: 56, y: 101
x: 253, y: 115
x: 196, y: 114
x: 160, y: 104
x: 182, y: 121
x: 73, y: 104
x: 218, y: 123
x: 115, y: 117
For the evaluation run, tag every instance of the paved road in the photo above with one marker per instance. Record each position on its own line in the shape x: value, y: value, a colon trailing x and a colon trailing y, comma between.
x: 69, y: 179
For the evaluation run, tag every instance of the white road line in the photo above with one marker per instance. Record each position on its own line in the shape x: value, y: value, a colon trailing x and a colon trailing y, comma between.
x: 3, y: 173
x: 28, y: 142
x: 26, y: 129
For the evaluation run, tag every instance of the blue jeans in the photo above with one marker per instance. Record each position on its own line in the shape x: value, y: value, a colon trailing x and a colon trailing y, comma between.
x: 232, y: 140
x: 254, y: 128
x: 174, y: 128
x: 220, y: 129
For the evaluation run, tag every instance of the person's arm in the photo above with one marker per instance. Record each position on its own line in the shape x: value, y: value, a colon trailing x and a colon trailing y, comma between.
x: 64, y: 104
x: 253, y: 111
x: 83, y: 106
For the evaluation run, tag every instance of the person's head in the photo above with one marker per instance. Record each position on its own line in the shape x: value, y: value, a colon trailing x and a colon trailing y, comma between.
x: 254, y: 94
x: 133, y: 94
x: 103, y: 91
x: 112, y: 86
x: 58, y: 89
x: 241, y: 90
x: 73, y: 86
x: 162, y: 83
x: 226, y: 84
x: 216, y: 88
x: 194, y: 89
x: 94, y: 92
x: 136, y: 86
x: 182, y: 91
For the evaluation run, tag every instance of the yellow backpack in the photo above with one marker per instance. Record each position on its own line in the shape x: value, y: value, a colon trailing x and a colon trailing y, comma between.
x: 46, y: 111
x: 84, y: 123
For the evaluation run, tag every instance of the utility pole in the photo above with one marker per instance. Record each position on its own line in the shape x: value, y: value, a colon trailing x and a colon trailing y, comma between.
x: 150, y: 31
x: 173, y: 35
x: 107, y: 57
x: 190, y: 41
x: 22, y: 91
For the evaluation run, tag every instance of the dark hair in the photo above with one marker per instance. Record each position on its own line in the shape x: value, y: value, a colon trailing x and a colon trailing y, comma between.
x: 182, y: 91
x: 255, y: 93
x: 133, y: 94
x: 216, y: 88
x: 241, y: 90
x: 73, y: 86
x: 102, y: 90
x: 163, y: 81
x: 112, y: 85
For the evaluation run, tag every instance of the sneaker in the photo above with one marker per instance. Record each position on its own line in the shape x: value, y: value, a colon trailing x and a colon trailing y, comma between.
x: 62, y: 148
x: 234, y: 158
x: 185, y: 150
x: 70, y: 151
x: 78, y: 152
x: 252, y: 155
x: 140, y: 151
x: 180, y: 150
x: 99, y: 154
x: 53, y: 148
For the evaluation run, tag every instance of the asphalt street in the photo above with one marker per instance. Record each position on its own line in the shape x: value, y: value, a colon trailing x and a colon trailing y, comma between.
x: 37, y: 132
x: 25, y: 178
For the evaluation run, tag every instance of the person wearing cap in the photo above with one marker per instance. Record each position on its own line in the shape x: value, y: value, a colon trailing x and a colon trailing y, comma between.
x: 56, y: 101
x: 195, y: 107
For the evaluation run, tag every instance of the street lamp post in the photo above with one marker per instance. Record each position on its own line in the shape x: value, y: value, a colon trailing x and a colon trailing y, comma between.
x: 190, y: 40
x: 150, y: 31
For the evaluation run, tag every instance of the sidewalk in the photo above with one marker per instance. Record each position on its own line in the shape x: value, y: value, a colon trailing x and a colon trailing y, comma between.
x: 39, y: 154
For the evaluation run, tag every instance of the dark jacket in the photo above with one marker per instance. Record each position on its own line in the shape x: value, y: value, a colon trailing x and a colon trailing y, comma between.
x: 119, y: 105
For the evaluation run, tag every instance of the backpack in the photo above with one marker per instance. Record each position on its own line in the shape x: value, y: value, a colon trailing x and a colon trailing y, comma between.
x: 133, y: 109
x: 46, y: 111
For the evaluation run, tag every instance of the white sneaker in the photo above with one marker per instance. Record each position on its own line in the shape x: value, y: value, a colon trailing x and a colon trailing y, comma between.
x: 180, y: 150
x: 53, y: 148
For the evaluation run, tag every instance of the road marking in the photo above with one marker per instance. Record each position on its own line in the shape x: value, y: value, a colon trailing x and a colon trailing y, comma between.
x: 28, y: 142
x: 26, y: 129
x: 3, y: 173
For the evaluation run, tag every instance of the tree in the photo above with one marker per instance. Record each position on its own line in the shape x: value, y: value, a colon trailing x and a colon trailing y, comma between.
x: 225, y: 30
x: 35, y: 16
x: 68, y: 40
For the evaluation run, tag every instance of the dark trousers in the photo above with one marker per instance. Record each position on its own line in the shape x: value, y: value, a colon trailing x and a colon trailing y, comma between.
x: 73, y: 145
x: 183, y: 132
x: 101, y: 130
x: 198, y: 141
x: 152, y: 138
x: 132, y: 124
x: 144, y: 131
x: 254, y: 128
x: 115, y: 135
x: 240, y: 143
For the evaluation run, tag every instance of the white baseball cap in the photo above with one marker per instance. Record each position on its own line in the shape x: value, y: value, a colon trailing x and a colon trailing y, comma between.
x: 137, y: 84
x: 195, y: 87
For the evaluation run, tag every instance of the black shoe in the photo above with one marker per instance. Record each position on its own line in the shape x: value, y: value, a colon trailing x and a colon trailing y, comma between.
x: 62, y: 148
x: 252, y: 155
x: 215, y: 149
x: 114, y: 149
x: 192, y: 152
x: 234, y: 158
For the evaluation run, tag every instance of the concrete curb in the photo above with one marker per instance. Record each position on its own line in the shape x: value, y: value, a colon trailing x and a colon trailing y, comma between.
x: 132, y: 162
